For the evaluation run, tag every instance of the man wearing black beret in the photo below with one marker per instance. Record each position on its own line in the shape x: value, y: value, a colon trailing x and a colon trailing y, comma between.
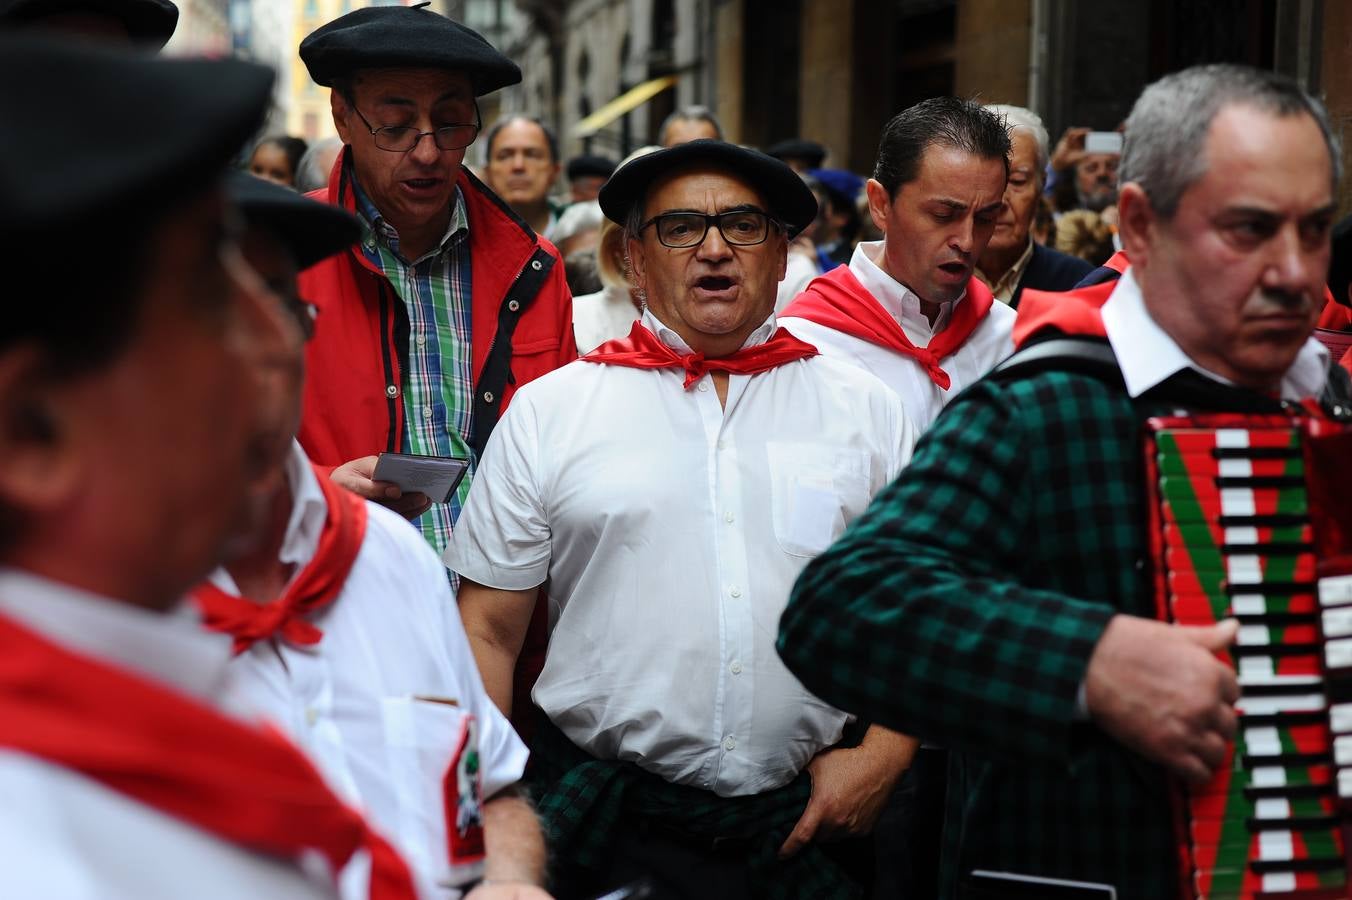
x: 449, y: 302
x: 133, y: 440
x: 146, y: 23
x: 586, y: 174
x: 669, y: 486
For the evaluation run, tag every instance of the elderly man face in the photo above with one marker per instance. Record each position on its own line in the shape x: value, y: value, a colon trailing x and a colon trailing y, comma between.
x: 1096, y: 180
x: 1021, y: 194
x: 415, y: 186
x: 1236, y: 275
x: 715, y: 288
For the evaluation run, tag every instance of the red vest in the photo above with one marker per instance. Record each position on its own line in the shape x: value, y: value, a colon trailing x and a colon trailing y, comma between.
x: 354, y: 381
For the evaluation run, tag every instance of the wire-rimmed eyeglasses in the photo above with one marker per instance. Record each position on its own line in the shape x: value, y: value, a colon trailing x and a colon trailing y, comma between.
x: 403, y: 138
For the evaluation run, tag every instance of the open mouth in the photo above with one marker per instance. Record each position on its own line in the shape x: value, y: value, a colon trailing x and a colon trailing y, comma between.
x: 714, y: 283
x: 956, y: 269
x: 422, y: 184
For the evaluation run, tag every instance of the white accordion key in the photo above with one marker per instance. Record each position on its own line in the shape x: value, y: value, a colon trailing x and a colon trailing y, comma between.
x: 1342, y: 751
x: 1335, y: 590
x: 1338, y: 654
x: 1340, y: 717
x: 1345, y: 782
x: 1337, y: 622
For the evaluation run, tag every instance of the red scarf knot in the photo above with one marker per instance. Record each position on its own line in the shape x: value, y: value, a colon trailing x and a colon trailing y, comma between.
x: 316, y: 586
x: 838, y: 301
x: 642, y: 350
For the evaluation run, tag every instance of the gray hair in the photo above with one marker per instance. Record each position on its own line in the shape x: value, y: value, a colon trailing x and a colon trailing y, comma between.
x: 311, y: 172
x: 690, y: 114
x: 1168, y: 126
x: 576, y: 219
x: 1019, y: 117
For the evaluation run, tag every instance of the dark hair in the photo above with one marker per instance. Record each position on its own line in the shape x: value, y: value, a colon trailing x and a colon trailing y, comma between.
x: 502, y: 123
x: 293, y: 147
x: 946, y: 121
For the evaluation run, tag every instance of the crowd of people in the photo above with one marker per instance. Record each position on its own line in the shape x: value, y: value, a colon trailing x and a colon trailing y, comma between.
x: 331, y: 568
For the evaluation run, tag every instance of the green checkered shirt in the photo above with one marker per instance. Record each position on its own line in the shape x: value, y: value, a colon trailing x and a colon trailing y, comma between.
x: 963, y: 607
x: 438, y: 380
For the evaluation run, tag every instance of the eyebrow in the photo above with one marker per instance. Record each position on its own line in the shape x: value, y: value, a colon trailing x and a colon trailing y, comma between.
x: 1328, y: 209
x: 395, y: 100
x: 955, y: 205
x: 742, y: 207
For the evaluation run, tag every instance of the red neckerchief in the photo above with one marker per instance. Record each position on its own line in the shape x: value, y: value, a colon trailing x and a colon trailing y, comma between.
x: 1076, y: 313
x: 243, y: 784
x: 838, y: 301
x: 314, y: 588
x: 642, y: 350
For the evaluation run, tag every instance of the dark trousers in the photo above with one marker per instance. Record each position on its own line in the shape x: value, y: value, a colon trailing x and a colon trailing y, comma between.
x: 909, y: 834
x: 673, y: 867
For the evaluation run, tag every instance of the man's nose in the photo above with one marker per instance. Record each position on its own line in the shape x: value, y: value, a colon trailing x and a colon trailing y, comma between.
x: 714, y: 247
x: 426, y: 150
x: 963, y: 238
x: 1292, y: 267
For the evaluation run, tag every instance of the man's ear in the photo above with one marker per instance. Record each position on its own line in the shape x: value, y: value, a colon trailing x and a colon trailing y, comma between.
x: 338, y: 105
x: 879, y: 203
x: 1136, y: 223
x: 42, y: 466
x: 638, y: 268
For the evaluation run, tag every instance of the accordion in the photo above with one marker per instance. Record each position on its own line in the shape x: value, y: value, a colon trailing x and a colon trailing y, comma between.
x: 1251, y: 518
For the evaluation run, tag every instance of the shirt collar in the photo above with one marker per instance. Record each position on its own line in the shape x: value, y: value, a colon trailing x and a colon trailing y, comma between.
x: 1147, y: 355
x: 899, y: 301
x: 1003, y: 290
x: 375, y: 228
x: 673, y: 340
x: 171, y: 648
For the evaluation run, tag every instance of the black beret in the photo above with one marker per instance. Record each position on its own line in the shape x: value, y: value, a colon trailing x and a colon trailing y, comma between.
x: 149, y: 131
x: 788, y: 198
x: 412, y: 37
x: 797, y: 148
x: 580, y: 166
x: 311, y: 231
x: 148, y: 22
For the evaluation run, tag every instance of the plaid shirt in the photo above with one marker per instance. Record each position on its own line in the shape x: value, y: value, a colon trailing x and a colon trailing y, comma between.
x: 963, y: 607
x: 438, y: 382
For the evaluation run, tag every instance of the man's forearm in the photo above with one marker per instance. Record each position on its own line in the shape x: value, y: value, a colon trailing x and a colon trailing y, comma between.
x: 515, y: 845
x: 885, y: 744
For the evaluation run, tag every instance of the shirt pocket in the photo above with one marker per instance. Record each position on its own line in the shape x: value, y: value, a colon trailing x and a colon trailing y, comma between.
x: 432, y: 755
x: 815, y: 491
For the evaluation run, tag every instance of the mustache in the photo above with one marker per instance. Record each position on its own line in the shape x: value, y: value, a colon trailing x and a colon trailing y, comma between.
x: 1287, y: 301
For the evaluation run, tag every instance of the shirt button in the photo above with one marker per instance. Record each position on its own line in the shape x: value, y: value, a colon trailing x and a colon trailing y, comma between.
x: 488, y: 396
x: 535, y: 264
x: 729, y: 518
x: 391, y: 390
x: 729, y: 743
x: 513, y: 305
x: 704, y: 388
x: 427, y: 412
x: 311, y: 716
x: 722, y: 445
x: 735, y: 592
x: 735, y: 668
x: 422, y: 340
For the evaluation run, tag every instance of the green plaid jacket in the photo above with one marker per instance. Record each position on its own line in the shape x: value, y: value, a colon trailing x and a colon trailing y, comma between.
x: 963, y: 607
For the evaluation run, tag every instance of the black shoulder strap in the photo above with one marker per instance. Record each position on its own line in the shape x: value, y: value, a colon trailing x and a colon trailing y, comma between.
x: 1087, y: 356
x: 497, y: 370
x: 1337, y: 396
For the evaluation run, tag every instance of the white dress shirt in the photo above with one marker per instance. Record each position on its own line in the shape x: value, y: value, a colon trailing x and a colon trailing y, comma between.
x: 988, y: 344
x: 670, y: 530
x: 64, y: 836
x: 1147, y: 355
x: 371, y: 703
x: 603, y: 316
x: 798, y: 274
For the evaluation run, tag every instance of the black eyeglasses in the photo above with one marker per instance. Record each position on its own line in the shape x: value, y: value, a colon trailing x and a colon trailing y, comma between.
x: 681, y: 230
x: 403, y: 138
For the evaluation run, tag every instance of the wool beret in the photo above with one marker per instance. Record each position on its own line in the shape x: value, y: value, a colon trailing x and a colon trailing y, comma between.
x: 148, y: 22
x: 147, y: 130
x: 787, y: 197
x: 580, y: 166
x: 797, y: 148
x: 413, y: 37
x: 309, y: 230
x: 845, y: 185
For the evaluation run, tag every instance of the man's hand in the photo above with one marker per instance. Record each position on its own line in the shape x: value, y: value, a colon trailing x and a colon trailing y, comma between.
x: 1159, y: 690
x: 508, y: 891
x: 1069, y: 150
x: 356, y: 477
x: 850, y: 788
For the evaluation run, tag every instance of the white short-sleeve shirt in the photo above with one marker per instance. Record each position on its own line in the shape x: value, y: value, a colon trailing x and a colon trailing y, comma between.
x: 988, y: 344
x: 64, y: 836
x: 671, y: 530
x: 379, y: 702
